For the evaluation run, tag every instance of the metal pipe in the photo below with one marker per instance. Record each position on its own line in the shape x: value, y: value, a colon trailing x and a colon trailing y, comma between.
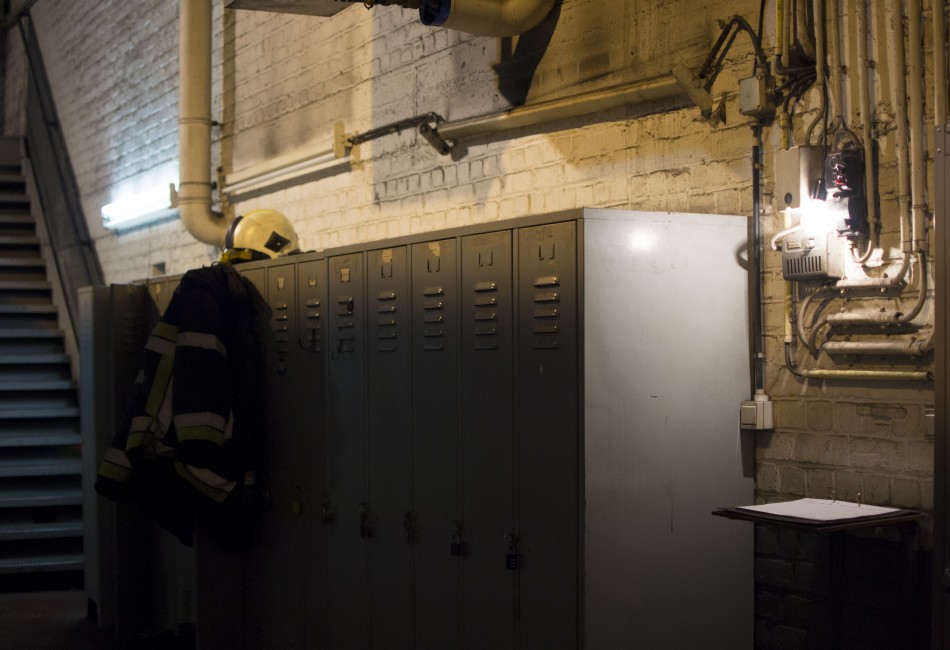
x: 895, y: 34
x: 837, y: 78
x: 870, y: 179
x: 940, y: 64
x: 755, y: 277
x: 194, y: 125
x: 802, y: 31
x: 918, y: 173
x: 820, y: 82
x: 889, y: 375
x: 889, y: 348
x: 652, y: 89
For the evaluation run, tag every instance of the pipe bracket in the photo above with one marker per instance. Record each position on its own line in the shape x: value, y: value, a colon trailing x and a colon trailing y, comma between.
x: 700, y: 96
x: 432, y: 136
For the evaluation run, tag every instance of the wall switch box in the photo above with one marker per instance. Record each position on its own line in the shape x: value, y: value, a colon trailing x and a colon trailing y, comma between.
x: 756, y: 414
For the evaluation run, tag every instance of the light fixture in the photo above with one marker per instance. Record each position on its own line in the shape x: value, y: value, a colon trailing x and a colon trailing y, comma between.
x: 139, y: 208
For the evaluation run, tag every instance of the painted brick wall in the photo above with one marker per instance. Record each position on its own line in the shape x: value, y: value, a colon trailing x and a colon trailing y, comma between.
x: 280, y: 82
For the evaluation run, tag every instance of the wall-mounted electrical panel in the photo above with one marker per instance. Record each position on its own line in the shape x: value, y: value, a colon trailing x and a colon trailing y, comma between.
x: 508, y: 436
x: 812, y: 256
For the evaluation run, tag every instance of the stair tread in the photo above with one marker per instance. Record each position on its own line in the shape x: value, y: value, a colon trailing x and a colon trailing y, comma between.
x: 20, y: 240
x: 22, y: 359
x: 45, y: 530
x: 30, y: 334
x: 28, y: 309
x: 40, y: 467
x: 10, y: 439
x: 31, y: 262
x: 26, y: 386
x: 17, y: 218
x: 33, y: 497
x: 26, y: 285
x: 40, y: 562
x: 32, y: 414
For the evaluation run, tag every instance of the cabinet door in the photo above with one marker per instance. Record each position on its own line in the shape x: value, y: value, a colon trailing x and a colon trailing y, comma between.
x: 548, y: 435
x: 435, y: 431
x: 309, y: 417
x: 389, y: 385
x: 487, y: 440
x: 347, y: 497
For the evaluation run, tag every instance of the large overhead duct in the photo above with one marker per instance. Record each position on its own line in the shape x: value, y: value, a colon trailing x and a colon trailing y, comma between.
x: 486, y: 17
x: 194, y: 125
x: 482, y: 17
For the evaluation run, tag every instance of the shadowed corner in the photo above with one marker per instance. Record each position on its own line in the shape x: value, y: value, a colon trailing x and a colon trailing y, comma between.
x: 519, y: 61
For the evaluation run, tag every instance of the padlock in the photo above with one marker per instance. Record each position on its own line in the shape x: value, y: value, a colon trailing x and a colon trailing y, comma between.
x: 512, y: 560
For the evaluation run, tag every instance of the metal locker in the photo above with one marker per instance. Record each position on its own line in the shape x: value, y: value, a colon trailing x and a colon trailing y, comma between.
x: 439, y: 535
x: 347, y: 503
x: 389, y: 440
x: 548, y: 435
x: 309, y: 418
x: 276, y: 556
x: 488, y: 441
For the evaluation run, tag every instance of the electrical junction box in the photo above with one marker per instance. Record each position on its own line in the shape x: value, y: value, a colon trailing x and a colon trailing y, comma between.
x: 755, y: 98
x: 812, y: 256
x: 796, y: 171
x: 756, y: 414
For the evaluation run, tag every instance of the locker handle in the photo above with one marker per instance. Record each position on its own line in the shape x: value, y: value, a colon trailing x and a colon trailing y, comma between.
x: 486, y: 286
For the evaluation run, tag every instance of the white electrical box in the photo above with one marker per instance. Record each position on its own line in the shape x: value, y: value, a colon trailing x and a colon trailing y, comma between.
x: 812, y: 256
x: 756, y: 414
x: 796, y: 171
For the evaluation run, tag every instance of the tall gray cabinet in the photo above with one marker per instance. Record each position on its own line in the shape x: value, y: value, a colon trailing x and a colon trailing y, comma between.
x: 510, y: 435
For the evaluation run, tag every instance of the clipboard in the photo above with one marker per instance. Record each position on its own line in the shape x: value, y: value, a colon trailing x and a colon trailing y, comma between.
x: 821, y: 515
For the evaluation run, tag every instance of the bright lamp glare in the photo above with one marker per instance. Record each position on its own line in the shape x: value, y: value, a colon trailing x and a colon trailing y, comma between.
x: 641, y: 241
x: 136, y: 207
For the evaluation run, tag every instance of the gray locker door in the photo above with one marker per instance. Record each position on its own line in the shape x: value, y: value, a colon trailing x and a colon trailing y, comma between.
x: 275, y: 611
x: 347, y: 499
x: 309, y: 421
x: 435, y: 417
x: 548, y: 435
x: 389, y: 386
x: 487, y: 440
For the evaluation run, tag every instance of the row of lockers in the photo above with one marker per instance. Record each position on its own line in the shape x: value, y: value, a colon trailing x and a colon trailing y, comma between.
x: 464, y: 448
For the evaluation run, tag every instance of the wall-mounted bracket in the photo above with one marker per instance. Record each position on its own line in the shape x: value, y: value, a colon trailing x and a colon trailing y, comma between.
x: 690, y: 83
x: 431, y: 134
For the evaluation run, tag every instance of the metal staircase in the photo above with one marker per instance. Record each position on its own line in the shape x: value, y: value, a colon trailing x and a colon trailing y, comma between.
x: 40, y: 471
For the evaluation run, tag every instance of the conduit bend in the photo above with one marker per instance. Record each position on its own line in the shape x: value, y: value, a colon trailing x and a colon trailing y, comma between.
x: 194, y: 125
x: 486, y: 17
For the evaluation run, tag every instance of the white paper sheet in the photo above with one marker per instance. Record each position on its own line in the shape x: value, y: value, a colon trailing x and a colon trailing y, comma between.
x: 821, y: 509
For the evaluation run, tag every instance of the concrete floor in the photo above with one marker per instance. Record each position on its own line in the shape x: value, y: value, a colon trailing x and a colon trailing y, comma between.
x: 49, y: 620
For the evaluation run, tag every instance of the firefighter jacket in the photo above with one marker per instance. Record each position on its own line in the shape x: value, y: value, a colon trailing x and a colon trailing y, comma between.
x: 186, y: 444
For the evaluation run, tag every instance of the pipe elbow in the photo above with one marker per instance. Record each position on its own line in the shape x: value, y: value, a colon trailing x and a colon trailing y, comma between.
x: 486, y: 17
x: 202, y: 222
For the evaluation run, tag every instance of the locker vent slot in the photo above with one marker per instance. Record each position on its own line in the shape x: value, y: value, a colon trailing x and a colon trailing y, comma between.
x: 434, y: 318
x: 387, y: 295
x: 482, y: 287
x: 547, y: 296
x: 433, y: 291
x: 431, y: 305
x: 547, y: 281
x: 486, y: 301
x: 486, y: 315
x: 546, y: 312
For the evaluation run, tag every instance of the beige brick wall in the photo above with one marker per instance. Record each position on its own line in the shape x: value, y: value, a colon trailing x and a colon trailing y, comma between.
x: 280, y: 82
